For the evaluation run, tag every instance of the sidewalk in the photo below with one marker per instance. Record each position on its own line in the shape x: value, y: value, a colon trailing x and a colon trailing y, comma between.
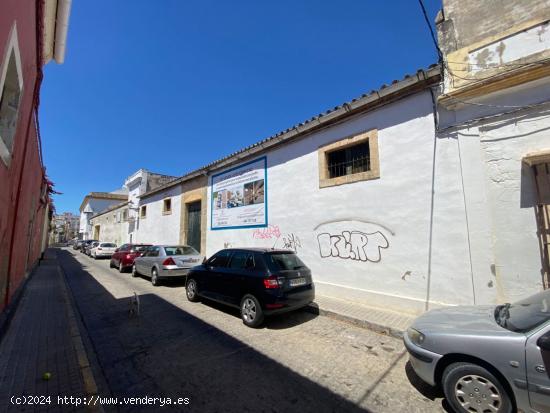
x: 43, y: 337
x: 381, y: 321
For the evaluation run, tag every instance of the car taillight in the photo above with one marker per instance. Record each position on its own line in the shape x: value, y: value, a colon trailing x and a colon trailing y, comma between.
x: 169, y: 261
x: 271, y: 282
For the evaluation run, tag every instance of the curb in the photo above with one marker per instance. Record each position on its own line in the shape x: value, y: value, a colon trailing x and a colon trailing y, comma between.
x: 90, y: 385
x: 369, y: 325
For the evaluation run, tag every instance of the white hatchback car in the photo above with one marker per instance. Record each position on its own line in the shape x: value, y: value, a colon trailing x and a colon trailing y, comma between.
x: 103, y: 250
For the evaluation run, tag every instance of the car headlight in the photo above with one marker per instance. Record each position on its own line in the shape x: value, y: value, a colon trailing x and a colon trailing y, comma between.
x: 416, y: 336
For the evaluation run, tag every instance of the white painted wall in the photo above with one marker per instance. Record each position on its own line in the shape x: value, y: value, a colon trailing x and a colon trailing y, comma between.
x: 158, y: 228
x: 397, y: 206
x: 499, y: 190
x: 92, y: 207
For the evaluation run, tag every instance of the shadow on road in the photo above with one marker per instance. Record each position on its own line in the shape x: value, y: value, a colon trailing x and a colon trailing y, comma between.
x: 430, y: 392
x: 167, y: 352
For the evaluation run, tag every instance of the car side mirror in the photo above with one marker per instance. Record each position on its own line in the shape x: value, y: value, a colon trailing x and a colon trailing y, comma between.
x: 544, y: 342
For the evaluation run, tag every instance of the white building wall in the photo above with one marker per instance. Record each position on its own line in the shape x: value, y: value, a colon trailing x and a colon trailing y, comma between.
x: 500, y: 190
x: 158, y: 228
x: 92, y: 207
x: 397, y: 207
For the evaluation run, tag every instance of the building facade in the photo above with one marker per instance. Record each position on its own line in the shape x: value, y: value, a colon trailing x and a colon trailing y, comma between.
x: 31, y: 34
x: 494, y: 106
x: 94, y: 203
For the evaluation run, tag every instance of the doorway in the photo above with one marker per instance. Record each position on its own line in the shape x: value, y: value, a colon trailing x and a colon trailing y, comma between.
x: 193, y: 235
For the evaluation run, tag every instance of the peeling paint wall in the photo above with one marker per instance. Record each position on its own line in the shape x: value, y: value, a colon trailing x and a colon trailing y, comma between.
x: 499, y: 189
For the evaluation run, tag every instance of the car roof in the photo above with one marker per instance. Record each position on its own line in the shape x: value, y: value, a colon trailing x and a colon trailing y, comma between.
x: 262, y: 250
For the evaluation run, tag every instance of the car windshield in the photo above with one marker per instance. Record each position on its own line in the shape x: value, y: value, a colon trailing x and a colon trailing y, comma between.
x: 181, y: 250
x: 140, y: 248
x: 285, y: 261
x: 525, y: 315
x: 108, y: 245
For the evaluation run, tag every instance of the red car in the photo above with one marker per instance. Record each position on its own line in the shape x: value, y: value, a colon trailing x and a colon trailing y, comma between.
x: 124, y: 256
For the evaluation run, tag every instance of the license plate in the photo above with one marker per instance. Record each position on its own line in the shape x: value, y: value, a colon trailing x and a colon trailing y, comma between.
x: 296, y: 282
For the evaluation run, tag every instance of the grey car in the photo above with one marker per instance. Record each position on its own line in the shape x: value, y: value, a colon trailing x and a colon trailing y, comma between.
x: 486, y: 358
x: 165, y: 261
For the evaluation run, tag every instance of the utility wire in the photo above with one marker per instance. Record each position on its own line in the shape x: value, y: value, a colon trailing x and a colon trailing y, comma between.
x: 439, y: 52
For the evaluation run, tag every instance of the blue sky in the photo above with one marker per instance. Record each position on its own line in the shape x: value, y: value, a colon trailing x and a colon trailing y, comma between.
x: 172, y: 85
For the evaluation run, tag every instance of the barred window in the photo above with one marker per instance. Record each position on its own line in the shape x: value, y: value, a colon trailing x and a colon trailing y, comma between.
x: 352, y: 159
x: 347, y: 161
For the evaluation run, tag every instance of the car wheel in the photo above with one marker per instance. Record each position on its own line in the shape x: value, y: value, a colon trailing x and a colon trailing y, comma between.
x: 120, y: 267
x: 251, y: 311
x: 111, y: 264
x: 192, y: 290
x: 471, y: 388
x: 135, y: 273
x: 155, y: 277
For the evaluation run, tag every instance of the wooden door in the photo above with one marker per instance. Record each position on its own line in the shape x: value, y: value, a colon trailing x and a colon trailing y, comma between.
x: 542, y: 179
x: 194, y: 225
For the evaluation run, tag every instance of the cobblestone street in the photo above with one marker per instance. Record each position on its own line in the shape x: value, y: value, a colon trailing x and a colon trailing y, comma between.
x: 174, y: 348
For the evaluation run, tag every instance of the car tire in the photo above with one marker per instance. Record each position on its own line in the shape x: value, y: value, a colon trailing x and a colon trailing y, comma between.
x: 155, y: 278
x: 120, y: 267
x: 192, y: 290
x: 135, y: 273
x: 467, y: 383
x: 251, y: 311
x: 111, y: 264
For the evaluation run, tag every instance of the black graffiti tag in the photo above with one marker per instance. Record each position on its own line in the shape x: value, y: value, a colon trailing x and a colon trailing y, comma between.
x: 354, y: 245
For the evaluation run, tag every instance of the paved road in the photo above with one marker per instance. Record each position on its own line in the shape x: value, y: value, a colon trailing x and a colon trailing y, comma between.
x: 297, y: 362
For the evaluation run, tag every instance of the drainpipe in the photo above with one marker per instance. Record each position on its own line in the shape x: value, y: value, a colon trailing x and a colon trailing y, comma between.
x: 430, y: 241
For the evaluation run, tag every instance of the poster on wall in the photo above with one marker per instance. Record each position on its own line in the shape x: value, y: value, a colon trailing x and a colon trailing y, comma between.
x: 239, y: 196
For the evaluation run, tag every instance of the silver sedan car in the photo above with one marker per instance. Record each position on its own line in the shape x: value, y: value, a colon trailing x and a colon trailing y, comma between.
x: 486, y: 358
x: 165, y: 261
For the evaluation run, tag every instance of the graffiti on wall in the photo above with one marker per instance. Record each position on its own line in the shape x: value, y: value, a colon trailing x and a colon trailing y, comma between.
x: 354, y: 245
x: 292, y: 242
x: 269, y: 232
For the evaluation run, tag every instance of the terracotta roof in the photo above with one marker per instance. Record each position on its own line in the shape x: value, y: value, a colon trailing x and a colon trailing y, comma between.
x: 398, y: 89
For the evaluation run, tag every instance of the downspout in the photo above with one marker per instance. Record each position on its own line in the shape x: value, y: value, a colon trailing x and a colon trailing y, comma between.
x: 34, y: 111
x: 432, y: 196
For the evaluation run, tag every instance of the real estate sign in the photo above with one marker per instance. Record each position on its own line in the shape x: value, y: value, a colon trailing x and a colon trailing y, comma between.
x: 239, y: 196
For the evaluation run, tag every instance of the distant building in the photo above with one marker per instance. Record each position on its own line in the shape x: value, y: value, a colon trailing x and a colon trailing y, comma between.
x: 64, y: 227
x: 94, y: 203
x: 116, y: 218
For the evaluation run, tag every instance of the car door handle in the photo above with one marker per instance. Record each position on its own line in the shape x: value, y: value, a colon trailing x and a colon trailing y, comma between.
x: 540, y: 369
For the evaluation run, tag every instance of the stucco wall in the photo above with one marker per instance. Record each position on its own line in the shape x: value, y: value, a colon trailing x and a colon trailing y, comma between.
x: 112, y: 227
x: 24, y: 174
x: 397, y: 209
x: 158, y: 228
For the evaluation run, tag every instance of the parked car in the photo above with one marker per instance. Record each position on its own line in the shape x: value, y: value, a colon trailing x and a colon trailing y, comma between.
x: 88, y: 247
x: 102, y: 250
x: 166, y: 261
x: 85, y: 244
x: 124, y: 256
x: 486, y: 358
x: 259, y: 282
x: 77, y: 244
